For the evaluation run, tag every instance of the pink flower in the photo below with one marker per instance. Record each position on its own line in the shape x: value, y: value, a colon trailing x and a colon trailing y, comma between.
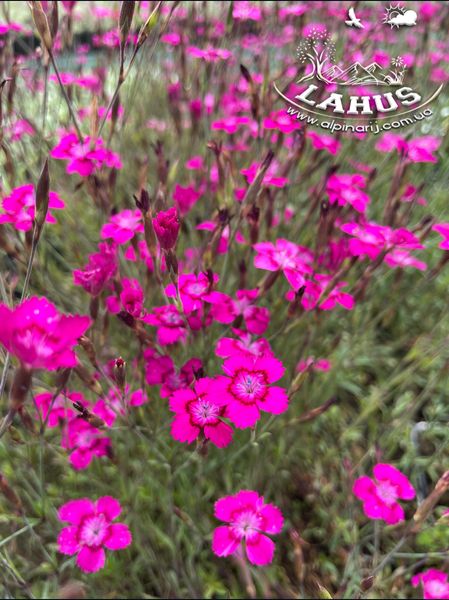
x: 246, y: 11
x: 416, y: 150
x: 182, y: 378
x: 60, y: 409
x: 91, y: 530
x: 312, y: 364
x: 226, y: 310
x: 131, y: 299
x: 243, y: 344
x: 20, y: 128
x: 193, y: 289
x: 379, y: 496
x: 324, y: 142
x: 85, y: 442
x: 166, y: 225
x: 434, y: 582
x: 108, y: 409
x: 39, y: 336
x: 230, y: 124
x: 196, y: 163
x: 185, y: 198
x: 443, y: 230
x: 371, y: 239
x: 19, y: 207
x: 348, y: 189
x: 157, y: 366
x: 293, y: 260
x: 270, y: 179
x: 198, y: 411
x: 209, y: 54
x: 100, y: 269
x: 249, y: 518
x: 247, y: 388
x: 84, y: 158
x: 281, y: 121
x: 123, y: 226
x: 314, y: 290
x: 170, y: 324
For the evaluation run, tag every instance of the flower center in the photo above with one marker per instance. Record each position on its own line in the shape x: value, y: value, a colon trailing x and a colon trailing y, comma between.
x: 247, y: 523
x: 204, y: 412
x: 93, y: 530
x: 249, y: 387
x: 387, y: 492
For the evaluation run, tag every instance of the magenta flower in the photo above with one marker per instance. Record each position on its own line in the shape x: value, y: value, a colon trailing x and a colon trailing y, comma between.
x: 435, y: 584
x: 246, y: 11
x: 185, y: 198
x: 418, y: 150
x: 108, y: 409
x: 293, y: 260
x: 312, y: 364
x: 130, y: 300
x: 243, y: 344
x: 193, y: 289
x: 123, y: 226
x: 313, y: 292
x: 91, y: 530
x: 84, y: 158
x: 19, y: 207
x: 249, y: 518
x: 166, y: 225
x: 226, y: 310
x: 39, y: 336
x: 230, y: 124
x: 346, y: 189
x: 324, y: 142
x: 270, y: 178
x: 247, y: 388
x: 85, y: 442
x: 281, y: 121
x: 170, y: 324
x: 20, y: 128
x: 61, y: 408
x: 380, y: 496
x: 198, y: 411
x: 209, y: 54
x: 443, y: 230
x: 370, y: 239
x: 100, y: 269
x: 157, y: 366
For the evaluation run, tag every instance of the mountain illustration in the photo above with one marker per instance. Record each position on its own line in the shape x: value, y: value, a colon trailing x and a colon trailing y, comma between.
x: 319, y: 52
x: 356, y: 74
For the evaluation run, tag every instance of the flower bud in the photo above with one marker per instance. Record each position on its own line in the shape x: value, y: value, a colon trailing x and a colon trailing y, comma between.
x: 20, y: 387
x: 166, y: 225
x: 41, y: 22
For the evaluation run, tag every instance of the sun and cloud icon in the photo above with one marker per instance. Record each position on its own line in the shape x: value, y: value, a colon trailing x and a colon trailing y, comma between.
x: 398, y: 16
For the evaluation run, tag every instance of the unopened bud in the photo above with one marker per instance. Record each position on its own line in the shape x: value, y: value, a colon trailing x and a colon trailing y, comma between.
x: 42, y: 197
x: 20, y: 387
x: 120, y: 373
x: 41, y: 22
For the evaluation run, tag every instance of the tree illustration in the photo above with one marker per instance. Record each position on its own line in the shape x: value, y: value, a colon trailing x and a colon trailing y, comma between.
x: 318, y: 49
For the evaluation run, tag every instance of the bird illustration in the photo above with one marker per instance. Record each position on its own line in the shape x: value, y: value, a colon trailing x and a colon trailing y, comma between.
x: 353, y: 21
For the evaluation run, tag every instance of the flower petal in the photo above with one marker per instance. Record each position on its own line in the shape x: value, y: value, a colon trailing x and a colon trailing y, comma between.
x: 260, y: 549
x: 74, y: 511
x: 119, y: 537
x: 109, y: 506
x: 68, y: 540
x: 91, y: 560
x: 224, y: 542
